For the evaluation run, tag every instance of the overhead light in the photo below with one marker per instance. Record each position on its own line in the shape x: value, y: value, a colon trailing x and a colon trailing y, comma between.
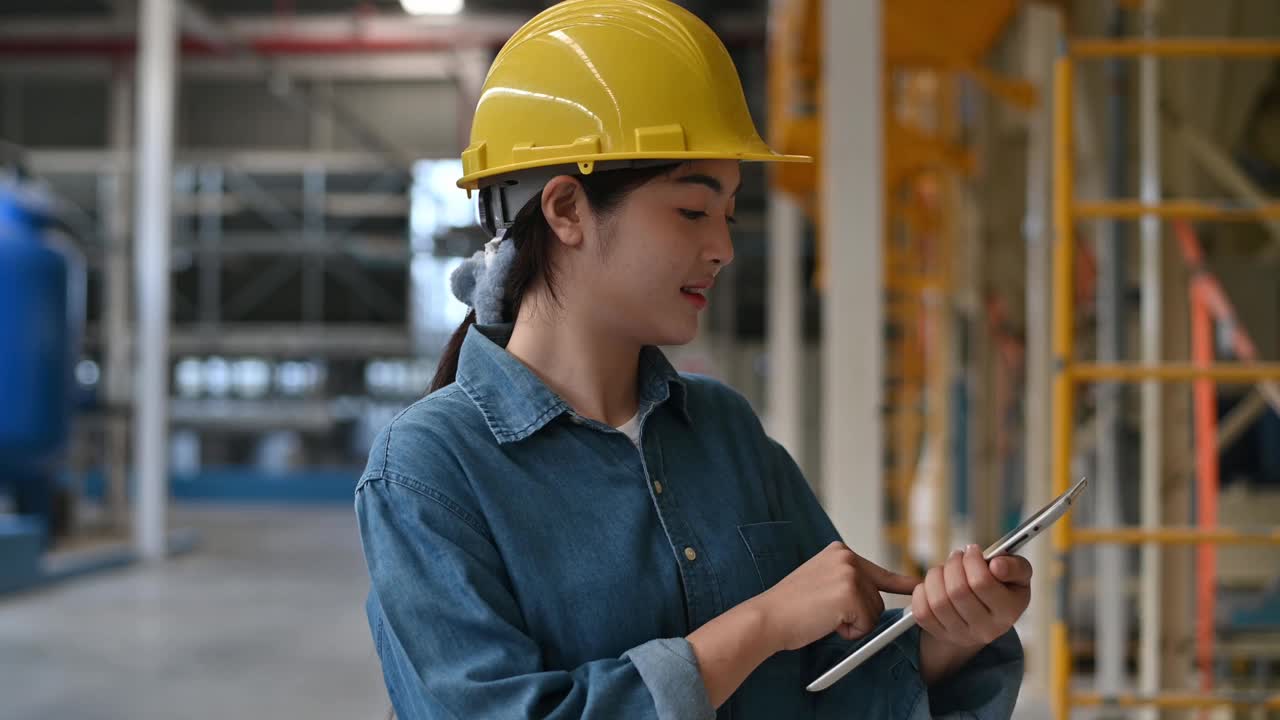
x: 432, y: 7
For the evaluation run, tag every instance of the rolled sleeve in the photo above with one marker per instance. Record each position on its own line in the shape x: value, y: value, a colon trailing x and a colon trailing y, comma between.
x: 985, y: 687
x: 670, y: 670
x: 450, y: 633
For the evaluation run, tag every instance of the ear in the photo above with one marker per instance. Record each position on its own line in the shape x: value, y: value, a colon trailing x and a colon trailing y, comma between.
x: 564, y: 207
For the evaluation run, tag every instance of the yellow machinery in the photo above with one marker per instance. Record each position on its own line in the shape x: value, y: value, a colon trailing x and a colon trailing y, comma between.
x: 1070, y: 374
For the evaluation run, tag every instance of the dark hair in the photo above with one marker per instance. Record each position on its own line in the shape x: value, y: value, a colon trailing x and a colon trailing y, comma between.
x: 533, y: 237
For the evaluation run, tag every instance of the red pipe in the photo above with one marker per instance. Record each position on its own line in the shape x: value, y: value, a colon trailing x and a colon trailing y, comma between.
x: 1206, y: 442
x: 1214, y: 296
x: 124, y: 44
x: 269, y: 45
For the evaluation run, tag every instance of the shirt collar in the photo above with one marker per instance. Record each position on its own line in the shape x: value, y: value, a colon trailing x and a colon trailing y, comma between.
x: 516, y: 403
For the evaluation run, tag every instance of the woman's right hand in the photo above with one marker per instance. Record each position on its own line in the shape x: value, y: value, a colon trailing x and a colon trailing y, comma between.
x: 834, y: 591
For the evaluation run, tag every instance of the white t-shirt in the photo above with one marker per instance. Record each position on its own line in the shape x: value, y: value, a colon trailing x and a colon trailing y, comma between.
x: 632, y: 429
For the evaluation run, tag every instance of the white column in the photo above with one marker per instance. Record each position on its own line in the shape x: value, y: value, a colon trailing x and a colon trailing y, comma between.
x: 785, y: 323
x: 1111, y: 331
x: 852, y: 200
x: 157, y: 44
x: 1152, y: 341
x: 1042, y: 33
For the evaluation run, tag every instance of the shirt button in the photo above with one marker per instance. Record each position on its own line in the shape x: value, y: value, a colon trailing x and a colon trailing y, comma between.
x: 657, y: 487
x: 689, y: 553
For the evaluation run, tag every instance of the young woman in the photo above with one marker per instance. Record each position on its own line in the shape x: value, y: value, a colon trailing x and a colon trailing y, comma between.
x: 565, y: 527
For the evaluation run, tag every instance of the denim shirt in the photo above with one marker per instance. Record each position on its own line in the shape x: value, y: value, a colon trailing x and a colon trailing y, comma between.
x: 526, y: 561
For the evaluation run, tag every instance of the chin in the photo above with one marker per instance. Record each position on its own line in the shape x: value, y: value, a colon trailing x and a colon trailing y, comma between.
x: 676, y: 335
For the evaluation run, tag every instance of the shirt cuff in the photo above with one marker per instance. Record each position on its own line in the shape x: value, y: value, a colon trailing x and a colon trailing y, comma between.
x: 669, y: 669
x: 987, y: 686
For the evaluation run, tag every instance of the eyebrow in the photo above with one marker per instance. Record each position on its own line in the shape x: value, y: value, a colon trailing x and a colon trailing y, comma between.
x: 708, y: 181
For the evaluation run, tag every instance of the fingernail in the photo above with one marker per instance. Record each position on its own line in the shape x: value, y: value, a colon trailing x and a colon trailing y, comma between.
x: 973, y: 547
x: 956, y: 552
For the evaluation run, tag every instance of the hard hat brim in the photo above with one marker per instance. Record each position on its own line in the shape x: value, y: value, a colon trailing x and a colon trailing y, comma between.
x: 475, y: 180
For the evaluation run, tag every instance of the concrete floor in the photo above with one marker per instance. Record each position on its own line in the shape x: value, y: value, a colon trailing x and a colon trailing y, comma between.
x: 264, y: 620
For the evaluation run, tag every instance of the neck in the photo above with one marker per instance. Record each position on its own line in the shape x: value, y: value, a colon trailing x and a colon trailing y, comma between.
x: 593, y: 371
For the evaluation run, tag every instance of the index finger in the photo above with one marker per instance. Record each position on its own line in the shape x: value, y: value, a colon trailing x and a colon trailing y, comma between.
x: 887, y: 580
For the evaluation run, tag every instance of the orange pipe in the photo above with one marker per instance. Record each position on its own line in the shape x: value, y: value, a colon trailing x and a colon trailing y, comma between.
x: 1219, y: 305
x: 1206, y: 441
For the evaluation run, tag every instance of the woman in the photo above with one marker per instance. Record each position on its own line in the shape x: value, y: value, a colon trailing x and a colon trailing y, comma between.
x: 565, y: 527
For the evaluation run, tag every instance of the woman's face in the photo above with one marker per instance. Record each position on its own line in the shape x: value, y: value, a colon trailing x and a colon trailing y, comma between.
x: 659, y: 253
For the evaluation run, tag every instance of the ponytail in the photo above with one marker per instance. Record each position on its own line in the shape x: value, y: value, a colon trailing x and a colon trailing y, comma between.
x: 532, y: 236
x: 447, y: 370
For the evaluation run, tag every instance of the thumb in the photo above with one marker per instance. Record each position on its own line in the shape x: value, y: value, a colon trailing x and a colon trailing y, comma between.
x: 1011, y: 570
x: 888, y: 581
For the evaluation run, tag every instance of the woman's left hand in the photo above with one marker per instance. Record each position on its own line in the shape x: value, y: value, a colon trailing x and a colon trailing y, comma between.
x: 968, y: 602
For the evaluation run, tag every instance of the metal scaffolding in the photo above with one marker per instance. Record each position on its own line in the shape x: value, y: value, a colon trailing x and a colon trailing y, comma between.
x: 1070, y: 375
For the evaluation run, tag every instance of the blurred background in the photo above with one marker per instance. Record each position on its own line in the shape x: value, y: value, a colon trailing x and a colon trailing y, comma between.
x: 1039, y: 242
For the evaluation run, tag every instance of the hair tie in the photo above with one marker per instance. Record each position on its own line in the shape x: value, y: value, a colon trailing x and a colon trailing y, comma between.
x: 481, y: 279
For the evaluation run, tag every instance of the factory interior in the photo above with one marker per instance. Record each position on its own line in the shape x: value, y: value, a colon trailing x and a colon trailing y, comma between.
x: 1040, y: 241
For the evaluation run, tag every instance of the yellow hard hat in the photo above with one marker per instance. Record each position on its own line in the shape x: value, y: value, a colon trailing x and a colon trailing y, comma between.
x: 590, y: 81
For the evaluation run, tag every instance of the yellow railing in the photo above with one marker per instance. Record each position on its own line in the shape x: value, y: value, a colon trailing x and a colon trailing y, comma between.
x: 1070, y: 374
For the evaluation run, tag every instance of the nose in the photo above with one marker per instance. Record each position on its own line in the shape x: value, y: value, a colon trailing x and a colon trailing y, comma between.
x: 720, y: 250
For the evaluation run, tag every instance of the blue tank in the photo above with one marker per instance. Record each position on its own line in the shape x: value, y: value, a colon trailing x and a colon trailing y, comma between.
x: 40, y: 288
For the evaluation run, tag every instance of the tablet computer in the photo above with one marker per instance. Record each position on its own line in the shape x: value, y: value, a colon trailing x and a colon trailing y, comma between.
x: 1007, y: 545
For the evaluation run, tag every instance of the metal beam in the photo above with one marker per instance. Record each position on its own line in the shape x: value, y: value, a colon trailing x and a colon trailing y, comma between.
x: 113, y: 212
x: 1152, y: 278
x: 1218, y: 163
x: 364, y: 246
x: 418, y: 67
x: 1042, y: 33
x: 377, y: 299
x: 225, y: 38
x: 1241, y: 418
x: 313, y: 34
x: 69, y: 161
x: 1112, y: 330
x: 785, y: 323
x: 262, y: 202
x: 330, y: 34
x: 329, y: 341
x: 114, y: 216
x: 260, y: 288
x: 254, y: 416
x: 157, y: 59
x: 313, y: 232
x: 852, y: 202
x: 209, y: 230
x: 292, y: 340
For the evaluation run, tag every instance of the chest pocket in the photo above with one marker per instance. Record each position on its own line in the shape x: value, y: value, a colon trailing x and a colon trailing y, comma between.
x: 779, y: 681
x: 775, y: 549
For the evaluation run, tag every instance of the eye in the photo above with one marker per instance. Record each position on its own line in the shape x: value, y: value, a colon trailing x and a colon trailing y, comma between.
x: 731, y: 219
x: 693, y: 214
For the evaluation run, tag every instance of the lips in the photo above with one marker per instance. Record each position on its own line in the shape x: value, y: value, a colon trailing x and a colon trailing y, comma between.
x: 695, y: 295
